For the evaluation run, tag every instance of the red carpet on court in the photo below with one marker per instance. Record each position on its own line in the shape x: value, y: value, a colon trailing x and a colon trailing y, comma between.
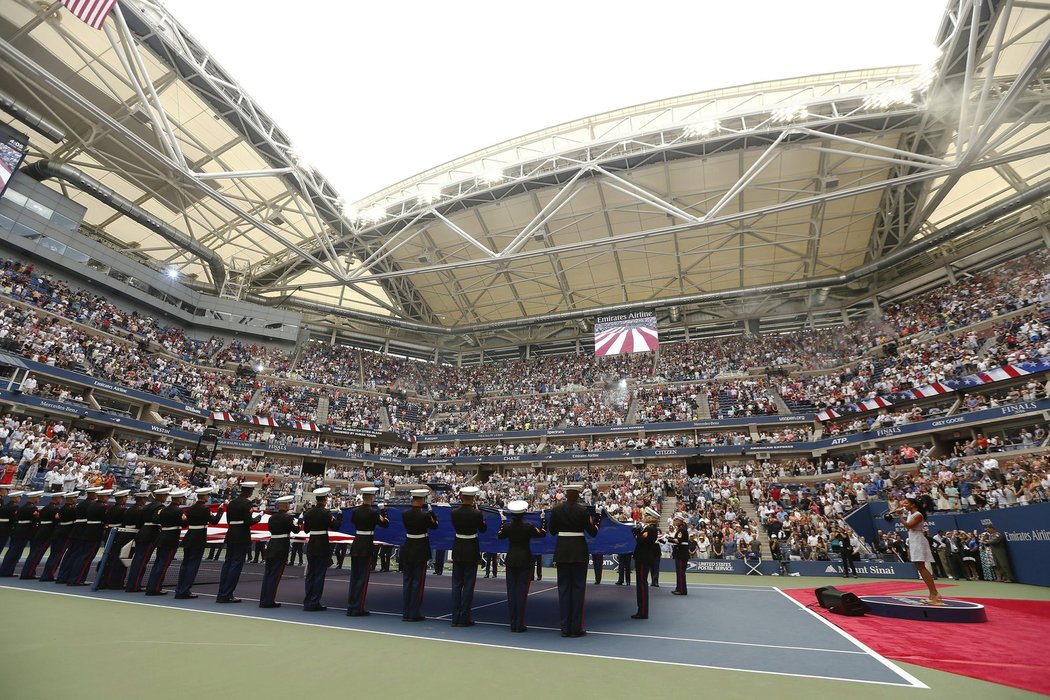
x: 1010, y: 648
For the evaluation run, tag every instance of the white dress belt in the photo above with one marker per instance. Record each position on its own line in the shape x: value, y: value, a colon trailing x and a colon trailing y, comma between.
x: 366, y: 532
x: 466, y: 537
x: 78, y: 520
x: 7, y: 520
x: 280, y: 537
x: 235, y: 522
x: 415, y: 537
x: 128, y: 529
x: 196, y: 527
x: 317, y: 532
x: 93, y: 522
x: 169, y: 529
x: 570, y: 534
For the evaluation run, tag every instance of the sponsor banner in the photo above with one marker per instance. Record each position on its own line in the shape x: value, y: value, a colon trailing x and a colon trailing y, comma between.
x: 88, y: 381
x: 74, y: 411
x: 344, y: 431
x: 1026, y: 530
x: 632, y: 428
x: 866, y: 569
x: 626, y: 333
x: 998, y: 374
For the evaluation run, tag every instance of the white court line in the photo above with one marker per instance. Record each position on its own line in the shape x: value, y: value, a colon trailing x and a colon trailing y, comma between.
x: 164, y: 641
x: 912, y: 680
x: 498, y: 602
x: 483, y: 644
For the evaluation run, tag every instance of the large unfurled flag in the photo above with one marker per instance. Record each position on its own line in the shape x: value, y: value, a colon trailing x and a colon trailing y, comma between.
x: 93, y: 12
x: 223, y: 415
x: 625, y: 333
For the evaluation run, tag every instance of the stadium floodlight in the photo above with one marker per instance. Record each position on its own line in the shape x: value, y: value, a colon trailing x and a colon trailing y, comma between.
x: 701, y: 129
x: 428, y: 194
x: 892, y: 97
x: 374, y: 214
x: 490, y: 176
x: 791, y: 113
x: 172, y: 273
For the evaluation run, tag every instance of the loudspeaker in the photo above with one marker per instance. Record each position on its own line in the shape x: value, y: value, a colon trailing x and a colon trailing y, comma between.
x: 841, y: 602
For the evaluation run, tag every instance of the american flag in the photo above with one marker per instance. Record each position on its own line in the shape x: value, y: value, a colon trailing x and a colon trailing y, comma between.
x: 93, y: 12
x: 619, y: 335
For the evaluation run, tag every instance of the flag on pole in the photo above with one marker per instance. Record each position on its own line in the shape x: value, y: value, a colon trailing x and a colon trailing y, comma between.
x: 92, y: 12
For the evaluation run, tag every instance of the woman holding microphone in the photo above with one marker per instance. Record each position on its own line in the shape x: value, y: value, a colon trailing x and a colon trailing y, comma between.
x: 919, y: 551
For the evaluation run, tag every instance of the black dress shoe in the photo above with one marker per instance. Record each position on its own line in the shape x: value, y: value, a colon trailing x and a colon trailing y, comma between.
x: 565, y: 634
x: 639, y: 617
x: 363, y: 613
x: 188, y: 596
x: 157, y: 593
x: 413, y: 619
x: 458, y: 624
x: 273, y: 605
x: 679, y: 593
x: 619, y: 583
x: 578, y: 634
x: 315, y: 608
x: 656, y: 585
x: 227, y: 600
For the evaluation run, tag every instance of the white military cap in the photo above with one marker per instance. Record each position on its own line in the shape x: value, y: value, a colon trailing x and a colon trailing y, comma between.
x: 34, y: 494
x: 679, y: 516
x: 651, y: 513
x: 105, y: 492
x: 121, y: 493
x: 286, y: 499
x: 204, y: 491
x: 322, y: 491
x: 249, y: 484
x: 71, y: 494
x: 162, y: 492
x: 518, y: 507
x: 56, y: 494
x: 178, y: 493
x: 469, y: 491
x: 92, y: 489
x: 142, y: 494
x: 369, y: 491
x: 16, y: 494
x: 420, y: 493
x: 574, y: 487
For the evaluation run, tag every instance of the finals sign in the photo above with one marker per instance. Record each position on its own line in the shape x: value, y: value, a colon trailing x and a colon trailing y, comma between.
x: 625, y: 333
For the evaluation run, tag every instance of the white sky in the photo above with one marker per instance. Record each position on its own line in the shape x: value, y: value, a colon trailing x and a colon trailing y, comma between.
x: 374, y: 92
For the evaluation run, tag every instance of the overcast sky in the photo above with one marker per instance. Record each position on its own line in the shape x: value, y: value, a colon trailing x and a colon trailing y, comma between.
x: 374, y: 92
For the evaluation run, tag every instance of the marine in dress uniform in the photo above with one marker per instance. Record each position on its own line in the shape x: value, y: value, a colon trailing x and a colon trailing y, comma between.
x: 60, y: 537
x: 197, y: 519
x: 93, y: 534
x: 8, y: 513
x: 679, y: 538
x: 145, y: 539
x: 468, y: 522
x: 518, y: 533
x: 316, y: 523
x: 171, y: 519
x: 366, y: 517
x: 646, y: 555
x: 570, y: 521
x: 281, y: 526
x: 76, y: 535
x: 112, y: 568
x: 123, y: 542
x: 27, y: 517
x: 597, y: 562
x: 45, y: 531
x: 239, y: 521
x: 414, y: 555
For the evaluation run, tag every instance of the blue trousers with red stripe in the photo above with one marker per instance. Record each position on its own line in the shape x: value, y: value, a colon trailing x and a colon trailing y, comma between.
x: 313, y: 580
x: 271, y: 580
x: 360, y: 571
x: 679, y: 570
x: 59, y: 548
x: 137, y: 570
x: 36, y: 553
x: 15, y: 548
x: 518, y: 582
x: 464, y: 578
x: 160, y: 568
x: 82, y: 567
x: 572, y: 593
x: 413, y: 585
x: 641, y: 579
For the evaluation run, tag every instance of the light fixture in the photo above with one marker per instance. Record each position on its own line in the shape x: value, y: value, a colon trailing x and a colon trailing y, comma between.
x: 374, y: 214
x: 172, y: 273
x: 490, y: 176
x: 701, y: 129
x: 897, y: 95
x: 792, y: 113
x: 428, y: 193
